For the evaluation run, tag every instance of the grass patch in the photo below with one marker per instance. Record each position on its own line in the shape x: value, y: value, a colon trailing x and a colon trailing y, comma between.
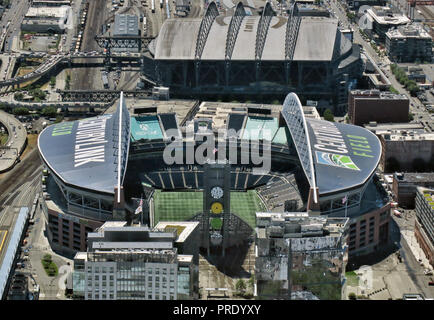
x: 181, y: 206
x: 49, y: 266
x: 352, y: 278
x: 3, y: 138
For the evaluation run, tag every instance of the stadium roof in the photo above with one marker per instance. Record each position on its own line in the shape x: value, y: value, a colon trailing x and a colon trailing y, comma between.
x: 85, y: 153
x: 178, y: 38
x: 335, y: 157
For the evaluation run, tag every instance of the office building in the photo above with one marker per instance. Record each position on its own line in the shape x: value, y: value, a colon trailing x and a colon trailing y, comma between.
x: 384, y: 18
x: 409, y: 43
x: 134, y: 263
x: 424, y: 225
x: 365, y: 106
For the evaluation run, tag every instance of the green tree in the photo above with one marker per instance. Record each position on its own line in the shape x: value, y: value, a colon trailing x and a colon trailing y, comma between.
x: 52, y: 81
x: 21, y: 111
x: 18, y: 96
x: 240, y: 286
x: 410, y: 117
x: 352, y: 296
x: 49, y: 111
x: 393, y: 90
x: 328, y: 115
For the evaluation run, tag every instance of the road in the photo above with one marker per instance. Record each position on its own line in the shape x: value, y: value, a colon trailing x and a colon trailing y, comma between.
x: 15, y: 15
x: 416, y: 107
x: 413, y: 268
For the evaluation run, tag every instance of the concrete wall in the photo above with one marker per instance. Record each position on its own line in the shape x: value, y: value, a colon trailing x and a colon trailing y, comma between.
x: 406, y: 151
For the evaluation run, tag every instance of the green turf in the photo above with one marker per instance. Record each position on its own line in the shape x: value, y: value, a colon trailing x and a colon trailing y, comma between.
x: 3, y: 138
x: 352, y: 278
x: 181, y: 206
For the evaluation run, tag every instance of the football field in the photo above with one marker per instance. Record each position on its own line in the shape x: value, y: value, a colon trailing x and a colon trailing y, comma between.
x: 181, y: 206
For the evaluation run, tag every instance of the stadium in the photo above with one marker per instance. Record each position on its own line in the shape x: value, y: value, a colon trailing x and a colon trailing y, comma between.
x: 242, y: 53
x: 98, y: 169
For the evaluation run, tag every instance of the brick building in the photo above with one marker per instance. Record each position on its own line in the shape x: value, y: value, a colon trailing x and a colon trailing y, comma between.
x: 373, y: 105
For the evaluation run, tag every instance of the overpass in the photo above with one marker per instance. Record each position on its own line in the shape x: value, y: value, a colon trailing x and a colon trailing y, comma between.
x: 54, y: 61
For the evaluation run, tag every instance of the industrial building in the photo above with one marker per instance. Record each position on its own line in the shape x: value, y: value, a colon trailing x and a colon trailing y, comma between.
x: 134, y: 263
x: 404, y: 185
x: 86, y: 185
x: 409, y: 43
x: 46, y: 19
x: 404, y: 147
x: 382, y: 19
x: 424, y: 225
x: 356, y: 4
x: 126, y: 25
x: 365, y: 106
x: 300, y: 257
x: 260, y: 55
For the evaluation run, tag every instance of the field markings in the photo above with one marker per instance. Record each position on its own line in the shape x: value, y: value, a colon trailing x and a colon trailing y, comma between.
x: 5, y: 232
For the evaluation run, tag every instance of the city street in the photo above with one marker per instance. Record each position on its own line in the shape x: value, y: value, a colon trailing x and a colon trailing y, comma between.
x: 416, y: 107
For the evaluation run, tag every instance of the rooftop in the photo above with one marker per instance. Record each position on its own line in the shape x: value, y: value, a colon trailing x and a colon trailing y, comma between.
x: 298, y: 225
x: 406, y: 135
x: 408, y: 31
x: 376, y: 94
x: 185, y: 228
x: 126, y: 24
x: 384, y: 15
x: 388, y: 127
x: 414, y: 177
x: 177, y: 39
x: 428, y: 195
x: 47, y: 12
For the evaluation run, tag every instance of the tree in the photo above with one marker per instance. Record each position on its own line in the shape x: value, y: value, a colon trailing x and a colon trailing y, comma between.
x: 393, y: 90
x: 52, y: 81
x: 18, y: 96
x: 328, y: 115
x: 410, y: 117
x: 49, y: 111
x: 240, y: 286
x: 21, y: 111
x: 352, y: 296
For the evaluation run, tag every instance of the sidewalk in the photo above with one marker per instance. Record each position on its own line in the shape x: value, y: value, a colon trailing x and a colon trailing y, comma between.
x: 410, y: 238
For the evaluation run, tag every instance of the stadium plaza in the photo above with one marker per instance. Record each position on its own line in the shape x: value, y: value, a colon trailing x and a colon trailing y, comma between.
x: 97, y: 169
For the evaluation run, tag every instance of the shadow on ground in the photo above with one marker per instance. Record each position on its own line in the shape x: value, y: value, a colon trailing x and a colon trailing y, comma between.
x: 232, y: 263
x: 381, y: 253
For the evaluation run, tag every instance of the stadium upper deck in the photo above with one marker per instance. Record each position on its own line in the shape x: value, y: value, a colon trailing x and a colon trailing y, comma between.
x: 335, y: 161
